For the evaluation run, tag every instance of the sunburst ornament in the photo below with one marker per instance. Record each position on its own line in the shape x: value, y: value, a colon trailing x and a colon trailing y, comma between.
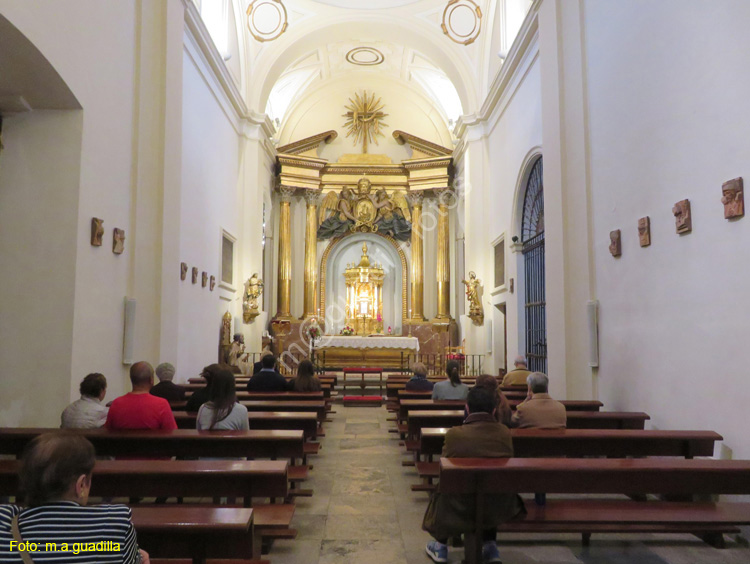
x: 364, y: 119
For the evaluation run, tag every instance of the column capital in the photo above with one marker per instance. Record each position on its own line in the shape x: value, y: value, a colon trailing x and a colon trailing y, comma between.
x: 312, y: 197
x: 286, y: 193
x: 415, y: 198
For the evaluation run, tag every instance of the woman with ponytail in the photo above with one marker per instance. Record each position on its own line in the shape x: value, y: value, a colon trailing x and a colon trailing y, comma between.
x: 452, y: 388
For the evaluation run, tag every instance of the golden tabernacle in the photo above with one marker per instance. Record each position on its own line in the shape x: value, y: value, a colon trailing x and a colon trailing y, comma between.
x: 364, y: 296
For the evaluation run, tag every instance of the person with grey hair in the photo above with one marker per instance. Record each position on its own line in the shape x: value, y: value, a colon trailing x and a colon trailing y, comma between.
x: 419, y: 382
x: 539, y: 410
x: 166, y: 388
x: 517, y: 376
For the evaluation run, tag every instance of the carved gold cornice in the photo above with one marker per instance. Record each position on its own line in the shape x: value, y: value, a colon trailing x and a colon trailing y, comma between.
x: 302, y: 162
x: 308, y: 143
x: 422, y: 145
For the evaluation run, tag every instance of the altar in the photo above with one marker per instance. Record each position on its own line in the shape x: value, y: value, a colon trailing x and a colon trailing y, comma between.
x: 380, y: 351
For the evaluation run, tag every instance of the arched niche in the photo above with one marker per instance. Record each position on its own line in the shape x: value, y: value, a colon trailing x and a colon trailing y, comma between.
x: 382, y: 249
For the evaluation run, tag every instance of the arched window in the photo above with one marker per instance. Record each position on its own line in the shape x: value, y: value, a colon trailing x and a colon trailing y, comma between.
x: 532, y: 237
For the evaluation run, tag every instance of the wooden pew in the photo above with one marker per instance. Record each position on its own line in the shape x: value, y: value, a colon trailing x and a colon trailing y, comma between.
x: 576, y: 443
x: 479, y: 477
x: 276, y: 396
x: 177, y: 478
x: 295, y: 420
x: 428, y: 404
x: 197, y: 533
x: 417, y: 419
x: 181, y: 442
x: 318, y: 407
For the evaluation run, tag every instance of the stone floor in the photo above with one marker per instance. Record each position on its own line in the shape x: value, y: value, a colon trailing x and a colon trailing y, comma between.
x: 364, y: 512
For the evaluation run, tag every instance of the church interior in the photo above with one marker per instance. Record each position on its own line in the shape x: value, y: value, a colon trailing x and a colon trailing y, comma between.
x: 383, y: 187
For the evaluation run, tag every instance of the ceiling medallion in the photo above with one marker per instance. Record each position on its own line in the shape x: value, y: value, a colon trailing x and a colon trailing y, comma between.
x: 462, y: 21
x: 266, y: 19
x: 365, y: 56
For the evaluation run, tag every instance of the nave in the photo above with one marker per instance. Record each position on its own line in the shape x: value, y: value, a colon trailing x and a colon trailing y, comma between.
x: 363, y: 511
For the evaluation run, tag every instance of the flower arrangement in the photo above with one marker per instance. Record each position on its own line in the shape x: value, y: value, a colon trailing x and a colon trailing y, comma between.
x: 347, y: 331
x: 390, y: 330
x: 380, y: 318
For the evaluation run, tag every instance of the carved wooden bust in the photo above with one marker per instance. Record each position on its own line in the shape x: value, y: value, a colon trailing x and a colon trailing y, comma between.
x: 183, y: 270
x: 195, y: 275
x: 212, y: 283
x: 682, y: 216
x: 204, y: 279
x: 118, y: 241
x: 733, y: 198
x: 615, y: 243
x: 644, y: 231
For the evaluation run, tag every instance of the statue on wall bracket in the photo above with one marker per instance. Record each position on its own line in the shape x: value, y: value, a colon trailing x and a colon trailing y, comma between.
x: 253, y: 291
x: 364, y: 212
x: 476, y: 311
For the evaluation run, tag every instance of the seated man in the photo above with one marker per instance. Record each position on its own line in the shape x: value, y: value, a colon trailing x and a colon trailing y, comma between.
x: 268, y: 379
x: 419, y: 382
x: 539, y: 410
x: 258, y: 366
x: 166, y: 388
x: 87, y: 412
x: 139, y: 409
x: 481, y: 436
x: 517, y: 376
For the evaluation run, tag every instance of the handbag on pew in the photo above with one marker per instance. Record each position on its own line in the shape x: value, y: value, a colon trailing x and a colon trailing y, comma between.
x: 17, y: 537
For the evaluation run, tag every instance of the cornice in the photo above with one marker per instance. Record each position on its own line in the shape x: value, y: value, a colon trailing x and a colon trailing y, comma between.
x: 429, y: 162
x: 421, y: 145
x: 300, y: 161
x: 308, y: 143
x: 370, y: 170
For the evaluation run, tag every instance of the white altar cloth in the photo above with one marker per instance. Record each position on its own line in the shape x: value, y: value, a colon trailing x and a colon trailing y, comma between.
x: 375, y: 342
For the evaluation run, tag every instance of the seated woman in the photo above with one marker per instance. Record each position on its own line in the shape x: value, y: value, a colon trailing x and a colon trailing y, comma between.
x: 503, y: 411
x: 306, y: 381
x: 221, y: 411
x: 452, y: 388
x: 55, y: 480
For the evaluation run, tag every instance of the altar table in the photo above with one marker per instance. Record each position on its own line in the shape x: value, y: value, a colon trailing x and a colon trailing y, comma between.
x: 338, y: 351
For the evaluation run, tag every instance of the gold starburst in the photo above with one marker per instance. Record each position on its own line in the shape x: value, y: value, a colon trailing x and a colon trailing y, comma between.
x: 364, y: 119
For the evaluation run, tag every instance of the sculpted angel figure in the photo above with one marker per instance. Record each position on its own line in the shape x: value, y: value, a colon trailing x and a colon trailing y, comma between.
x: 336, y: 214
x: 394, y: 217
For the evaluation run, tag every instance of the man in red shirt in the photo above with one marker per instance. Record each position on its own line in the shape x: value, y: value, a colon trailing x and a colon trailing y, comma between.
x: 139, y: 409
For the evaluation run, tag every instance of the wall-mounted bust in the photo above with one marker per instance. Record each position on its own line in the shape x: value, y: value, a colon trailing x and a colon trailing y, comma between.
x: 195, y: 275
x: 644, y: 231
x: 204, y: 279
x: 118, y: 241
x: 733, y: 198
x: 212, y: 283
x: 183, y: 270
x: 97, y: 231
x: 615, y: 243
x: 682, y: 217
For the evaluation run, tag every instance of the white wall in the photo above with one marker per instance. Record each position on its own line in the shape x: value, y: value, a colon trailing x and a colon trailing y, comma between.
x: 39, y: 180
x: 668, y: 121
x: 209, y: 202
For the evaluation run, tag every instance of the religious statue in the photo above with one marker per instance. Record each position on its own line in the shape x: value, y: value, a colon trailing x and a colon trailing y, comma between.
x: 364, y: 119
x: 683, y: 219
x: 615, y: 243
x: 183, y: 270
x: 733, y: 198
x: 225, y: 336
x: 194, y: 275
x: 204, y: 279
x: 253, y: 291
x: 365, y: 212
x: 97, y: 231
x: 212, y: 283
x: 236, y: 357
x: 476, y: 311
x: 644, y: 231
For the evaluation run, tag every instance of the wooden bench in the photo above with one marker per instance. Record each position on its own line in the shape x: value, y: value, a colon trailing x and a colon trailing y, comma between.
x: 362, y: 371
x: 197, y: 533
x: 318, y: 407
x: 294, y: 420
x: 481, y: 477
x: 181, y: 442
x: 577, y: 443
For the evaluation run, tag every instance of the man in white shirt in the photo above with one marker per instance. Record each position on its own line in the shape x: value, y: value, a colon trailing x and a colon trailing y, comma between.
x: 87, y: 412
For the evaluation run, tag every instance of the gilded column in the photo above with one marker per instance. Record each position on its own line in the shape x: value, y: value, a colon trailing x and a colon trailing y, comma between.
x: 443, y: 257
x: 417, y: 257
x: 312, y: 197
x: 285, y: 254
